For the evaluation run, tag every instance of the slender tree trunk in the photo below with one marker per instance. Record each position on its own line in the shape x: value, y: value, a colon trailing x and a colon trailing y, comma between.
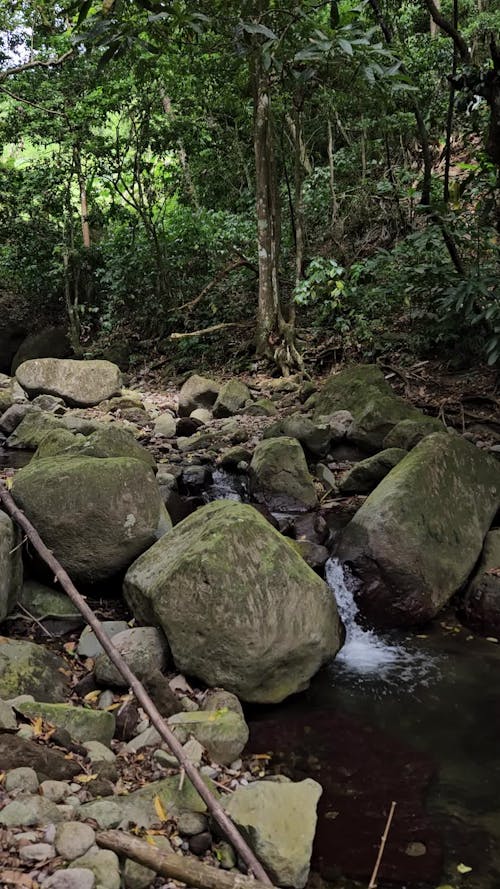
x: 83, y: 197
x: 433, y: 26
x: 449, y: 116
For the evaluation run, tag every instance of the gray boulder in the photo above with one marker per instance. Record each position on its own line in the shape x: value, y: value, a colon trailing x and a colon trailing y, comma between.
x: 315, y: 437
x: 97, y: 515
x: 11, y: 566
x: 224, y: 576
x: 417, y: 537
x: 11, y: 418
x: 30, y: 432
x: 165, y: 425
x: 26, y: 668
x: 407, y: 433
x: 365, y: 475
x: 197, y: 392
x: 82, y: 723
x: 279, y: 475
x: 233, y: 395
x: 79, y: 383
x: 143, y: 648
x: 278, y: 819
x: 223, y: 732
x: 481, y: 605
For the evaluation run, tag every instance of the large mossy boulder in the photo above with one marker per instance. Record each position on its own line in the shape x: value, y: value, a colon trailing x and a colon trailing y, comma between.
x: 417, y: 537
x: 481, y: 605
x: 82, y: 723
x: 407, y: 433
x: 238, y: 605
x: 233, y: 395
x: 51, y: 342
x: 197, y: 392
x: 314, y: 437
x: 109, y: 440
x: 279, y: 475
x: 278, y: 819
x: 29, y: 669
x: 33, y: 428
x: 96, y: 516
x: 79, y: 383
x: 11, y: 566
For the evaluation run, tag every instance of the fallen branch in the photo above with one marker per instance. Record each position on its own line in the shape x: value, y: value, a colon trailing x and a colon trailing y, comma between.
x: 239, y: 263
x: 170, y: 864
x: 212, y: 804
x: 373, y: 879
x: 212, y: 329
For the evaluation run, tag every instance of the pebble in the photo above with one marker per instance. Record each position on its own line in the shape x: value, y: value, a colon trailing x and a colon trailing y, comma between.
x: 105, y: 699
x: 73, y: 839
x: 22, y: 779
x: 191, y: 823
x: 37, y: 852
x: 200, y: 843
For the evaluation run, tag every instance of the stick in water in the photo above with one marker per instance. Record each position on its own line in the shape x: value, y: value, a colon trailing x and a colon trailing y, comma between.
x: 373, y: 880
x: 60, y: 575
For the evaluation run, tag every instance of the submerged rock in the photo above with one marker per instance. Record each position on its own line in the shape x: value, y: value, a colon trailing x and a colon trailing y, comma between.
x: 197, y: 392
x: 79, y: 383
x: 97, y: 516
x: 240, y: 608
x: 278, y: 819
x: 279, y: 475
x: 415, y: 540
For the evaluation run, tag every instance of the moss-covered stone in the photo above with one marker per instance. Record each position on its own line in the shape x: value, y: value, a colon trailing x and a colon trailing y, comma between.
x: 111, y: 441
x: 223, y: 733
x: 374, y: 421
x: 279, y: 475
x: 96, y: 515
x: 315, y: 437
x: 82, y: 723
x: 365, y: 475
x: 262, y: 407
x: 416, y: 538
x: 232, y: 396
x: 11, y: 566
x: 32, y: 429
x: 26, y: 668
x: 407, y: 433
x: 59, y: 442
x: 79, y: 383
x: 238, y: 605
x: 43, y: 602
x: 481, y: 605
x: 197, y: 392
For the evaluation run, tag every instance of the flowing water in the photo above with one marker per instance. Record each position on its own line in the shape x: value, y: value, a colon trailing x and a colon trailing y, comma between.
x: 413, y: 718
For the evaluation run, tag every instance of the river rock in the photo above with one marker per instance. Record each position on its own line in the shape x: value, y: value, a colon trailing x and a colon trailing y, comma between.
x: 106, y: 441
x: 47, y: 762
x: 30, y: 432
x: 417, y: 537
x: 279, y: 475
x: 11, y: 566
x: 481, y: 606
x: 8, y: 720
x: 12, y: 417
x: 143, y: 648
x: 82, y: 723
x: 30, y: 810
x: 233, y: 395
x: 408, y: 433
x: 197, y: 392
x: 26, y: 668
x: 105, y: 866
x: 315, y: 437
x: 89, y: 645
x: 96, y: 515
x: 223, y: 733
x: 70, y: 878
x: 73, y: 839
x: 202, y: 415
x: 279, y: 821
x: 365, y: 475
x: 238, y: 605
x: 79, y: 383
x: 262, y: 407
x: 43, y: 602
x: 165, y: 425
x: 51, y: 342
x: 220, y: 699
x: 23, y: 779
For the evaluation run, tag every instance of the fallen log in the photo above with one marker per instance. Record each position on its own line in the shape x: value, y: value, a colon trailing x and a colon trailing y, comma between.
x: 172, y: 865
x: 62, y: 577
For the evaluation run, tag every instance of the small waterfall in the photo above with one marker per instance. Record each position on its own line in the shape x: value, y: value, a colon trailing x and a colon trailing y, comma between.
x: 367, y: 653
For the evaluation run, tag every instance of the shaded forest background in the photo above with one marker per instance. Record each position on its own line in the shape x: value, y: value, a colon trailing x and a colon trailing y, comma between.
x: 305, y: 178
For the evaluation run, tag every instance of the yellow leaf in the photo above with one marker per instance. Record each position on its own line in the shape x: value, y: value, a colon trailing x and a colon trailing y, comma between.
x: 160, y: 811
x: 84, y: 779
x: 8, y: 482
x: 92, y: 695
x: 463, y: 869
x: 114, y: 706
x: 37, y: 724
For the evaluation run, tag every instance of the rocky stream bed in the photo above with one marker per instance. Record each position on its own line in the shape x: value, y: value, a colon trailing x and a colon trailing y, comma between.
x: 327, y: 556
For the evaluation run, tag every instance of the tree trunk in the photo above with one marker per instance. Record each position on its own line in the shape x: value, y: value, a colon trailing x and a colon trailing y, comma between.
x: 434, y: 27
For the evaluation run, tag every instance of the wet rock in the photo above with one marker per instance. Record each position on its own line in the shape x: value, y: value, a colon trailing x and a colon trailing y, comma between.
x: 165, y: 425
x: 366, y: 474
x: 79, y: 383
x: 29, y: 810
x: 279, y: 821
x: 97, y: 515
x: 313, y: 554
x: 70, y: 878
x: 481, y: 605
x: 416, y: 538
x: 224, y: 575
x: 47, y: 763
x: 23, y: 779
x: 223, y: 733
x: 144, y: 649
x: 279, y: 475
x: 233, y: 395
x: 82, y: 723
x: 194, y: 479
x: 197, y: 392
x: 11, y: 567
x: 26, y: 668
